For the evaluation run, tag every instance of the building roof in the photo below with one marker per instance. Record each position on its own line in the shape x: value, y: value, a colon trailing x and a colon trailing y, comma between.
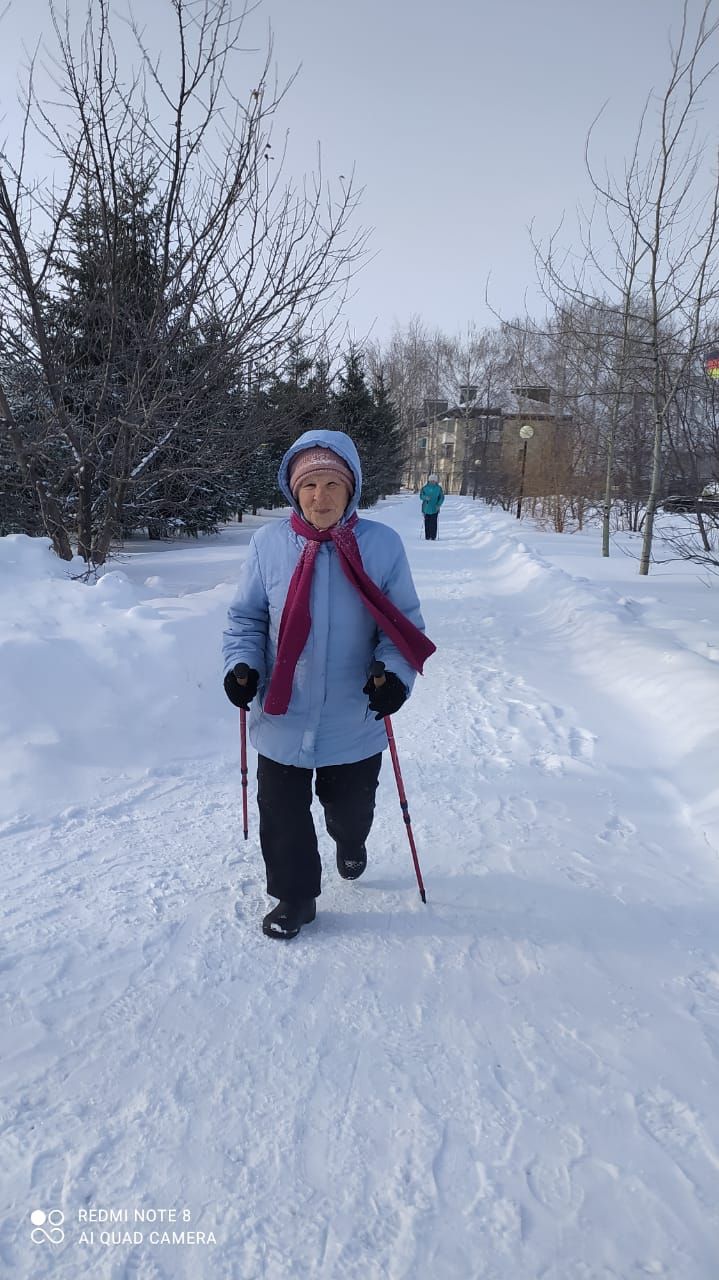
x: 462, y: 411
x: 534, y: 415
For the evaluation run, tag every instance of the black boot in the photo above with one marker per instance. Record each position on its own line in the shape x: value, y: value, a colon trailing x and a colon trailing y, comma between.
x: 287, y: 918
x: 351, y: 862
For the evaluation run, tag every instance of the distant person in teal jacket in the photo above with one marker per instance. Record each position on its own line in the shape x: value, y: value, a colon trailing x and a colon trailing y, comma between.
x: 432, y: 496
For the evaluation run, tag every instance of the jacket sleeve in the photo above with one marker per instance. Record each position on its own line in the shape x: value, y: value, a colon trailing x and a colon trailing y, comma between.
x: 248, y: 619
x: 399, y: 587
x: 440, y: 498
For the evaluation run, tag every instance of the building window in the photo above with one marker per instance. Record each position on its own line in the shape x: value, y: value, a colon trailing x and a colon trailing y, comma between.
x: 448, y: 450
x: 422, y: 444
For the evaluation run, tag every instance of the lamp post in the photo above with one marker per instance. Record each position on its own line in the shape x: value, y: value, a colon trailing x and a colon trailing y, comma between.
x: 526, y: 432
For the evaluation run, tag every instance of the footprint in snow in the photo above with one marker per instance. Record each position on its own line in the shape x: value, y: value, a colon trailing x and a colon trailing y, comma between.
x: 141, y: 1266
x: 551, y: 1186
x: 581, y: 744
x: 679, y: 1131
x: 616, y: 830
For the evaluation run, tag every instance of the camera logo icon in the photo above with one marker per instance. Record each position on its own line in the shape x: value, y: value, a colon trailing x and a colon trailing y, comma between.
x: 47, y: 1227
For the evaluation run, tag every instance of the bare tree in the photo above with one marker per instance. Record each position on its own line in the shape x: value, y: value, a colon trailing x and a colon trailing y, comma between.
x: 411, y: 365
x: 474, y: 377
x: 650, y: 243
x: 205, y: 260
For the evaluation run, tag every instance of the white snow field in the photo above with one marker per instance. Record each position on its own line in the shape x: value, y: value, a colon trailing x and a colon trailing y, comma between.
x: 517, y: 1081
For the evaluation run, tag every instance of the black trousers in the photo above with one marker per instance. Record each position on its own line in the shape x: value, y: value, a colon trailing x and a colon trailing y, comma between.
x: 287, y: 832
x: 430, y: 526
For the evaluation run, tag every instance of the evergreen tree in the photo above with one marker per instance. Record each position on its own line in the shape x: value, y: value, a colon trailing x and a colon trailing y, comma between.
x: 369, y: 417
x: 354, y: 412
x: 149, y: 410
x: 285, y: 404
x: 102, y: 322
x: 19, y: 507
x: 19, y: 510
x: 391, y: 452
x: 298, y: 398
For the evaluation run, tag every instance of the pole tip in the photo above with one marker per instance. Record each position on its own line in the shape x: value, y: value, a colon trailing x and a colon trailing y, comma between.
x: 423, y: 895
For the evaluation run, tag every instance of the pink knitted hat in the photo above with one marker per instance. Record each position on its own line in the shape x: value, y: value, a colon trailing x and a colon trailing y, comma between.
x: 310, y: 460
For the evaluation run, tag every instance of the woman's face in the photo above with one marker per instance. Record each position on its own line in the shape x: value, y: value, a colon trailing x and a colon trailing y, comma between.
x: 323, y: 499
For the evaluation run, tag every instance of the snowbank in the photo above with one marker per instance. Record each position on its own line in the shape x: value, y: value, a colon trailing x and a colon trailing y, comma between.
x: 100, y: 680
x: 656, y: 672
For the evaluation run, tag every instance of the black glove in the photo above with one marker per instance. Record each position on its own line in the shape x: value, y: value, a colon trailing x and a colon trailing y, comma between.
x: 385, y: 698
x: 241, y: 695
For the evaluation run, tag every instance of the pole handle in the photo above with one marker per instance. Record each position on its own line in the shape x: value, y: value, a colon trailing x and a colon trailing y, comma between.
x: 377, y: 673
x: 241, y: 672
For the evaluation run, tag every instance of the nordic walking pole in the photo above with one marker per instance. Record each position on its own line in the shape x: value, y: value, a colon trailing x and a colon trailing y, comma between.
x: 242, y: 671
x: 379, y: 679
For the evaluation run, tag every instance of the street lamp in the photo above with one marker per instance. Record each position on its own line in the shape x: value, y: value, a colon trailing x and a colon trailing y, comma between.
x: 525, y: 432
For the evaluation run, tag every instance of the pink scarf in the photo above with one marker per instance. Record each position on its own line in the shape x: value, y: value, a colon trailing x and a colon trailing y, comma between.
x: 296, y: 619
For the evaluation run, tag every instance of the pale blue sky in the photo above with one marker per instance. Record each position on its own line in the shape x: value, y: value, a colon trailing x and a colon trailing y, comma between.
x: 464, y: 120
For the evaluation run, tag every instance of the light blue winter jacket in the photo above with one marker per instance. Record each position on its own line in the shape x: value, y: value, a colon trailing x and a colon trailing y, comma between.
x: 327, y: 721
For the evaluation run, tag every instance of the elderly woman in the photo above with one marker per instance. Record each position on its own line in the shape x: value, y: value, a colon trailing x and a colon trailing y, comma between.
x: 323, y: 595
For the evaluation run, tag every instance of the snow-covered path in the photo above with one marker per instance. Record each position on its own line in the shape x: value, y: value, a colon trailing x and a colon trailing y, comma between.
x: 516, y: 1081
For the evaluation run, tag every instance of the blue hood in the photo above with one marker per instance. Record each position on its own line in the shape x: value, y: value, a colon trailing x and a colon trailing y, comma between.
x: 340, y: 444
